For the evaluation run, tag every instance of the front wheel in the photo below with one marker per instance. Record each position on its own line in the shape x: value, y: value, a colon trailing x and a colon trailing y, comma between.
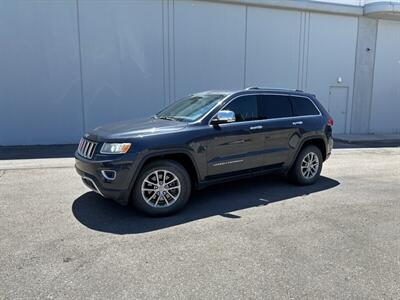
x: 162, y: 188
x: 308, y: 165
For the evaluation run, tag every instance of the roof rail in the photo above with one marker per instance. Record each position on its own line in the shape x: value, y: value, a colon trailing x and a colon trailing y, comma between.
x: 271, y: 88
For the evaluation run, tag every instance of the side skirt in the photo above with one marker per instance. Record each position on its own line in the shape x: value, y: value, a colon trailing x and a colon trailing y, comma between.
x: 211, y: 180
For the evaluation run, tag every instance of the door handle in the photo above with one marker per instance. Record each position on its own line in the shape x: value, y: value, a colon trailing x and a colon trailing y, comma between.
x: 256, y: 127
x: 238, y: 142
x: 298, y: 123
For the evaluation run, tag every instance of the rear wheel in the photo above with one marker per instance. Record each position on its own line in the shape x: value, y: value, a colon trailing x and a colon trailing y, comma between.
x: 308, y: 165
x: 163, y: 188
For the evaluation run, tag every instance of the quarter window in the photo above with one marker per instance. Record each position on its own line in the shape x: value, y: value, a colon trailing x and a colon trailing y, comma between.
x: 303, y: 107
x: 245, y: 108
x: 275, y: 106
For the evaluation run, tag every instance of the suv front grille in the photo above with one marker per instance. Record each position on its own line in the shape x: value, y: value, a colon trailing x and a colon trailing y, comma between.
x: 86, y: 148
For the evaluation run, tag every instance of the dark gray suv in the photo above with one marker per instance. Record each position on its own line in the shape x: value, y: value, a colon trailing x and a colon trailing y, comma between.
x: 206, y: 138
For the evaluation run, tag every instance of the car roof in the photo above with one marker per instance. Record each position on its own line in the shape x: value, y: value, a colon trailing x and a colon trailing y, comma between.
x: 215, y: 92
x: 256, y: 90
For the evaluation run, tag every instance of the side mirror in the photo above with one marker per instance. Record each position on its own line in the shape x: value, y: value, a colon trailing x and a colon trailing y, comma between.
x: 223, y: 116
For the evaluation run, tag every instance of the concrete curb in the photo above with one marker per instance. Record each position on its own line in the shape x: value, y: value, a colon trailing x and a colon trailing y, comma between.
x: 43, y: 163
x: 368, y: 138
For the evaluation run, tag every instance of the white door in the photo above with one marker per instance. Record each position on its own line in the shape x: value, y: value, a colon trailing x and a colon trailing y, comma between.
x: 337, y: 107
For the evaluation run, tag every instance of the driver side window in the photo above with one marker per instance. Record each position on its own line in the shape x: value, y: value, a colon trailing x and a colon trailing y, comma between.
x: 245, y: 108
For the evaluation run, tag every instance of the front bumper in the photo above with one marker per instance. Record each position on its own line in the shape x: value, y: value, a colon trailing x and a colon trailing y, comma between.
x: 117, y: 189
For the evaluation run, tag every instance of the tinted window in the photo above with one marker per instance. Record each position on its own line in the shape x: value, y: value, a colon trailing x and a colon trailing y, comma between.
x: 275, y: 106
x: 245, y: 108
x: 303, y: 107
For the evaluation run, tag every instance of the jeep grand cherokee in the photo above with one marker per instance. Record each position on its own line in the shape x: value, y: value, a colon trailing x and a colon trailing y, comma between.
x: 203, y: 139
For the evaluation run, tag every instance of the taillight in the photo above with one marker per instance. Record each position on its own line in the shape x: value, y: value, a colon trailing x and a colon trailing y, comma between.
x: 330, y: 122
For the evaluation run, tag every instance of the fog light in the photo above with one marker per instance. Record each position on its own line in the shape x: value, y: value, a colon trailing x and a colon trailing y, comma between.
x: 109, y: 174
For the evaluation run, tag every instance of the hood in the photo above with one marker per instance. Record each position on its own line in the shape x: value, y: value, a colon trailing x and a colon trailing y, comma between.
x: 136, y: 128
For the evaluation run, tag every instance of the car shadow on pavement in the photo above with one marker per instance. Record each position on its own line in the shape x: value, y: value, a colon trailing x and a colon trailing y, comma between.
x: 104, y: 215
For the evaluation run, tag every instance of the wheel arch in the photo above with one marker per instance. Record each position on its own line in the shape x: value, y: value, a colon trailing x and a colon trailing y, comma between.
x: 315, y: 141
x: 182, y: 157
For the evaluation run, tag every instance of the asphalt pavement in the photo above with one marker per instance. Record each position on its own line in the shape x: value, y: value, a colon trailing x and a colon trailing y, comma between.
x: 256, y: 238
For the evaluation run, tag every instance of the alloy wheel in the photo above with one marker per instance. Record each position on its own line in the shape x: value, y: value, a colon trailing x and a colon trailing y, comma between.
x: 161, y: 188
x: 309, y: 165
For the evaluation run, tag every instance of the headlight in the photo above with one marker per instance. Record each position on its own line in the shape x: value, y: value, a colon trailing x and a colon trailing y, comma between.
x: 115, y: 148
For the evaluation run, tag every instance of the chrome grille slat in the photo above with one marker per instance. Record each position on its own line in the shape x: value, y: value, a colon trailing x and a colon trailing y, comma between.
x: 86, y: 148
x: 89, y: 151
x: 83, y: 146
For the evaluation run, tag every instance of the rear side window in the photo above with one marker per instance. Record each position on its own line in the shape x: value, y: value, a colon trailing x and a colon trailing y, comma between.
x: 303, y: 107
x: 245, y: 108
x: 275, y: 106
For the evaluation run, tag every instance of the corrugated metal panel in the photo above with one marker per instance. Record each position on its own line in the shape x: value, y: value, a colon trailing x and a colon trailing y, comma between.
x: 385, y: 108
x: 40, y: 85
x: 122, y: 59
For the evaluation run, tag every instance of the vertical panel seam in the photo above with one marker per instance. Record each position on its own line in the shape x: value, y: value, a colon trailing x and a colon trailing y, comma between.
x: 245, y: 48
x: 308, y: 49
x: 80, y: 68
x: 303, y: 71
x: 173, y: 49
x: 347, y: 104
x: 168, y: 58
x: 373, y: 76
x: 163, y: 55
x: 353, y: 103
x: 299, y: 65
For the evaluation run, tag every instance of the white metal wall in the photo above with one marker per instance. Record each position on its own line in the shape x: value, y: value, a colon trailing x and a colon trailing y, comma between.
x: 68, y: 66
x: 40, y: 95
x: 385, y: 108
x: 331, y: 58
x: 209, y: 46
x: 122, y: 59
x: 273, y: 50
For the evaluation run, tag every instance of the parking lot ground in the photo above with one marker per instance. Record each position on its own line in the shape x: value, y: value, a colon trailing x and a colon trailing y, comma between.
x: 256, y: 238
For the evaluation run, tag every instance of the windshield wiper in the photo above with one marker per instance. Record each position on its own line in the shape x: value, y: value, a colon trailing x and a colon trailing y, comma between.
x: 171, y: 118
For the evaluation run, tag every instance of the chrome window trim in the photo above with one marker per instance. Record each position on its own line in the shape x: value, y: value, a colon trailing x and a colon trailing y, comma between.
x: 264, y: 120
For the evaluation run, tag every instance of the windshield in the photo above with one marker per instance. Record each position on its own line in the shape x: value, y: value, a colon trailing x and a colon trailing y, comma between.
x: 191, y: 108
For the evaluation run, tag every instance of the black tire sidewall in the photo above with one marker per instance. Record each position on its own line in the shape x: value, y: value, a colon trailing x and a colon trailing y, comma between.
x: 139, y: 202
x: 296, y: 173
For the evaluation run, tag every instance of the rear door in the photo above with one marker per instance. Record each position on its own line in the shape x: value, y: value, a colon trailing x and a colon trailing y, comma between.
x: 306, y: 115
x: 239, y: 145
x: 278, y: 128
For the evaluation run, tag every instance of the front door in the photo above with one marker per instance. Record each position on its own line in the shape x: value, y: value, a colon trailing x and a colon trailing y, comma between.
x: 239, y: 145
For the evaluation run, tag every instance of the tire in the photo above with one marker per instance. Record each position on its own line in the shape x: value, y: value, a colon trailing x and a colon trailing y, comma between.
x: 302, y: 172
x: 172, y: 195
